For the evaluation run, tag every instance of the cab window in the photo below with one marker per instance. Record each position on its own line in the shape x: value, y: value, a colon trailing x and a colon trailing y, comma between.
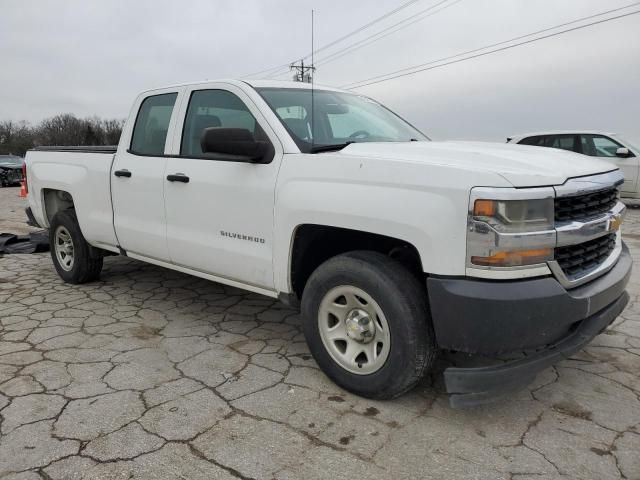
x: 213, y: 108
x: 563, y: 142
x: 537, y: 141
x: 152, y: 124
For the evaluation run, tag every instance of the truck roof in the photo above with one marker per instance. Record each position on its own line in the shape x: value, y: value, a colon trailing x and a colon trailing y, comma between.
x: 253, y: 83
x: 558, y: 132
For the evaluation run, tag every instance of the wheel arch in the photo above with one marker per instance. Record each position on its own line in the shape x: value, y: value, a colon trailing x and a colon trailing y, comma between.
x: 313, y: 244
x: 55, y: 200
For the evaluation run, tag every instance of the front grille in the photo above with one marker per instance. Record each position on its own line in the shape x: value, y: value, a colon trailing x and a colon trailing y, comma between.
x: 578, y: 260
x: 588, y: 205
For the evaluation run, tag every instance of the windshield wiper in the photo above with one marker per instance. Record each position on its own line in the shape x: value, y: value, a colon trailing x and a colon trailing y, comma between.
x: 329, y: 148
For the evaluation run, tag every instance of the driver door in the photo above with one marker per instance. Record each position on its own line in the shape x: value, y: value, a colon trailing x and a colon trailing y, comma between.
x: 220, y: 213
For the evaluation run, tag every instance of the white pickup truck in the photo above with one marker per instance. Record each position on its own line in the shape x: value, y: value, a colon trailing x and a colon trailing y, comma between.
x: 395, y: 247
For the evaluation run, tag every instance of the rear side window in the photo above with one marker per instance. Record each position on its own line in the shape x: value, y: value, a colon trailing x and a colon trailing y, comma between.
x: 213, y: 108
x: 152, y: 124
x: 563, y: 142
x: 537, y: 141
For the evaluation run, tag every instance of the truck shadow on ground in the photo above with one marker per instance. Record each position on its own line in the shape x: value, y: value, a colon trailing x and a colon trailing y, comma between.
x: 185, y: 298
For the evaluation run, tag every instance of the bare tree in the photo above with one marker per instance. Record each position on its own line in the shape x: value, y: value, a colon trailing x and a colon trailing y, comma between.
x: 15, y: 137
x: 64, y: 129
x: 112, y: 131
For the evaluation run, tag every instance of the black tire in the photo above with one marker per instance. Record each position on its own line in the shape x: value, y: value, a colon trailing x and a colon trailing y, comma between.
x: 87, y: 262
x: 402, y: 299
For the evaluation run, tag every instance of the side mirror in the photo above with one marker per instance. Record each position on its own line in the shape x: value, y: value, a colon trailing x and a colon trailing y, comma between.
x: 236, y: 142
x: 623, y: 152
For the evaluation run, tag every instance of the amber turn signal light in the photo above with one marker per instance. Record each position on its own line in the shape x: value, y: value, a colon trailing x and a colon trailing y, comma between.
x: 515, y: 258
x: 484, y: 208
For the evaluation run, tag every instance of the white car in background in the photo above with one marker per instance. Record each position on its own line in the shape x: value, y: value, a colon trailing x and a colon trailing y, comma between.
x: 607, y: 146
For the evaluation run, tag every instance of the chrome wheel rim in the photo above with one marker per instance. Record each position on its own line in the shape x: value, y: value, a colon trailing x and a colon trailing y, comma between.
x: 354, y: 330
x: 64, y: 248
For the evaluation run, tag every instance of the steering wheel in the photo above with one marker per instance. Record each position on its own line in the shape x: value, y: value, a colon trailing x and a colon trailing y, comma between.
x: 360, y: 134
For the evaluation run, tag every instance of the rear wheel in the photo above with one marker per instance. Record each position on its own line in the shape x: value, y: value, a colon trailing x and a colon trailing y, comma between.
x: 74, y: 259
x: 366, y: 320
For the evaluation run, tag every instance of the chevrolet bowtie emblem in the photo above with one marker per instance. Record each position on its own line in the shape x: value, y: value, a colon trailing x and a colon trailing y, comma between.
x: 614, y: 223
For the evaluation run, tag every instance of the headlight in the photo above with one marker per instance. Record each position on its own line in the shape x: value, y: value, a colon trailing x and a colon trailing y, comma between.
x: 508, y: 233
x: 515, y: 216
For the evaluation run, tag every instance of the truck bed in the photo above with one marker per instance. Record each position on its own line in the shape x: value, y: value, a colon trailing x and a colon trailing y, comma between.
x: 58, y: 174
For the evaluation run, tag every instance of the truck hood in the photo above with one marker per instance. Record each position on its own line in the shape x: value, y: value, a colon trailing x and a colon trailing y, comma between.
x: 520, y: 165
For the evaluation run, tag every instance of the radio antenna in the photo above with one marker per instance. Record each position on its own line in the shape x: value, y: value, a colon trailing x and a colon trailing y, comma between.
x: 313, y: 67
x: 305, y: 73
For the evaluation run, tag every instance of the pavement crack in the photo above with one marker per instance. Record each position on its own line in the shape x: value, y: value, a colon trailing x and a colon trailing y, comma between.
x: 231, y: 470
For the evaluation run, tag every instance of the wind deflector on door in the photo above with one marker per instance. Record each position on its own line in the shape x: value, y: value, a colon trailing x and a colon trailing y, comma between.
x: 87, y: 148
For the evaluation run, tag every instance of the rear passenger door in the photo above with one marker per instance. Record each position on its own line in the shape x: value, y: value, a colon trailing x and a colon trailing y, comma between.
x: 137, y: 177
x: 220, y: 211
x: 605, y: 148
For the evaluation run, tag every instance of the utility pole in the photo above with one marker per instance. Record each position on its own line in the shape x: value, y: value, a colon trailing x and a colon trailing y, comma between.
x: 302, y: 72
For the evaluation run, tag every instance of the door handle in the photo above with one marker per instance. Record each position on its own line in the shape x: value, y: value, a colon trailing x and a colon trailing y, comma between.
x: 122, y: 173
x: 178, y: 177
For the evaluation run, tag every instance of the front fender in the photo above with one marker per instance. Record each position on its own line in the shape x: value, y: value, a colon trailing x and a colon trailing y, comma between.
x: 424, y: 208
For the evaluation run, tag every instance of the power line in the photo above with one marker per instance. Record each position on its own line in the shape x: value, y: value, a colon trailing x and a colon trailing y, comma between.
x: 497, y: 44
x: 276, y: 71
x: 397, y: 74
x: 281, y: 71
x: 503, y: 42
x: 279, y: 67
x: 403, y: 24
x: 365, y: 26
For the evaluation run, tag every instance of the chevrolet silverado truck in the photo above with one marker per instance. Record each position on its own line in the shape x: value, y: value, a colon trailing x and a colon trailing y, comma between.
x: 394, y: 247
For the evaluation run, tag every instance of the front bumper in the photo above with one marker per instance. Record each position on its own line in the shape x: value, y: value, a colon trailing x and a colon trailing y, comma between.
x: 539, y: 316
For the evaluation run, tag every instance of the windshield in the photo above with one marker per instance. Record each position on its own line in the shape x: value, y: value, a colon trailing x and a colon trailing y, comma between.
x: 338, y: 118
x: 635, y: 146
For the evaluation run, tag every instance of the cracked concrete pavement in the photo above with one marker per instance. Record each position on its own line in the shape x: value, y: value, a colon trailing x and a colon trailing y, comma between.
x: 150, y: 373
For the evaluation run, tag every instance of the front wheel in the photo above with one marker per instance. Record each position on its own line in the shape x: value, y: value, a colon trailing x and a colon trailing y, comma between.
x: 74, y: 259
x: 366, y: 320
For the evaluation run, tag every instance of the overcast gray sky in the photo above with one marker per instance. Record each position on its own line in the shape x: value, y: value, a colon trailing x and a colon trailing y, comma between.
x: 90, y: 57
